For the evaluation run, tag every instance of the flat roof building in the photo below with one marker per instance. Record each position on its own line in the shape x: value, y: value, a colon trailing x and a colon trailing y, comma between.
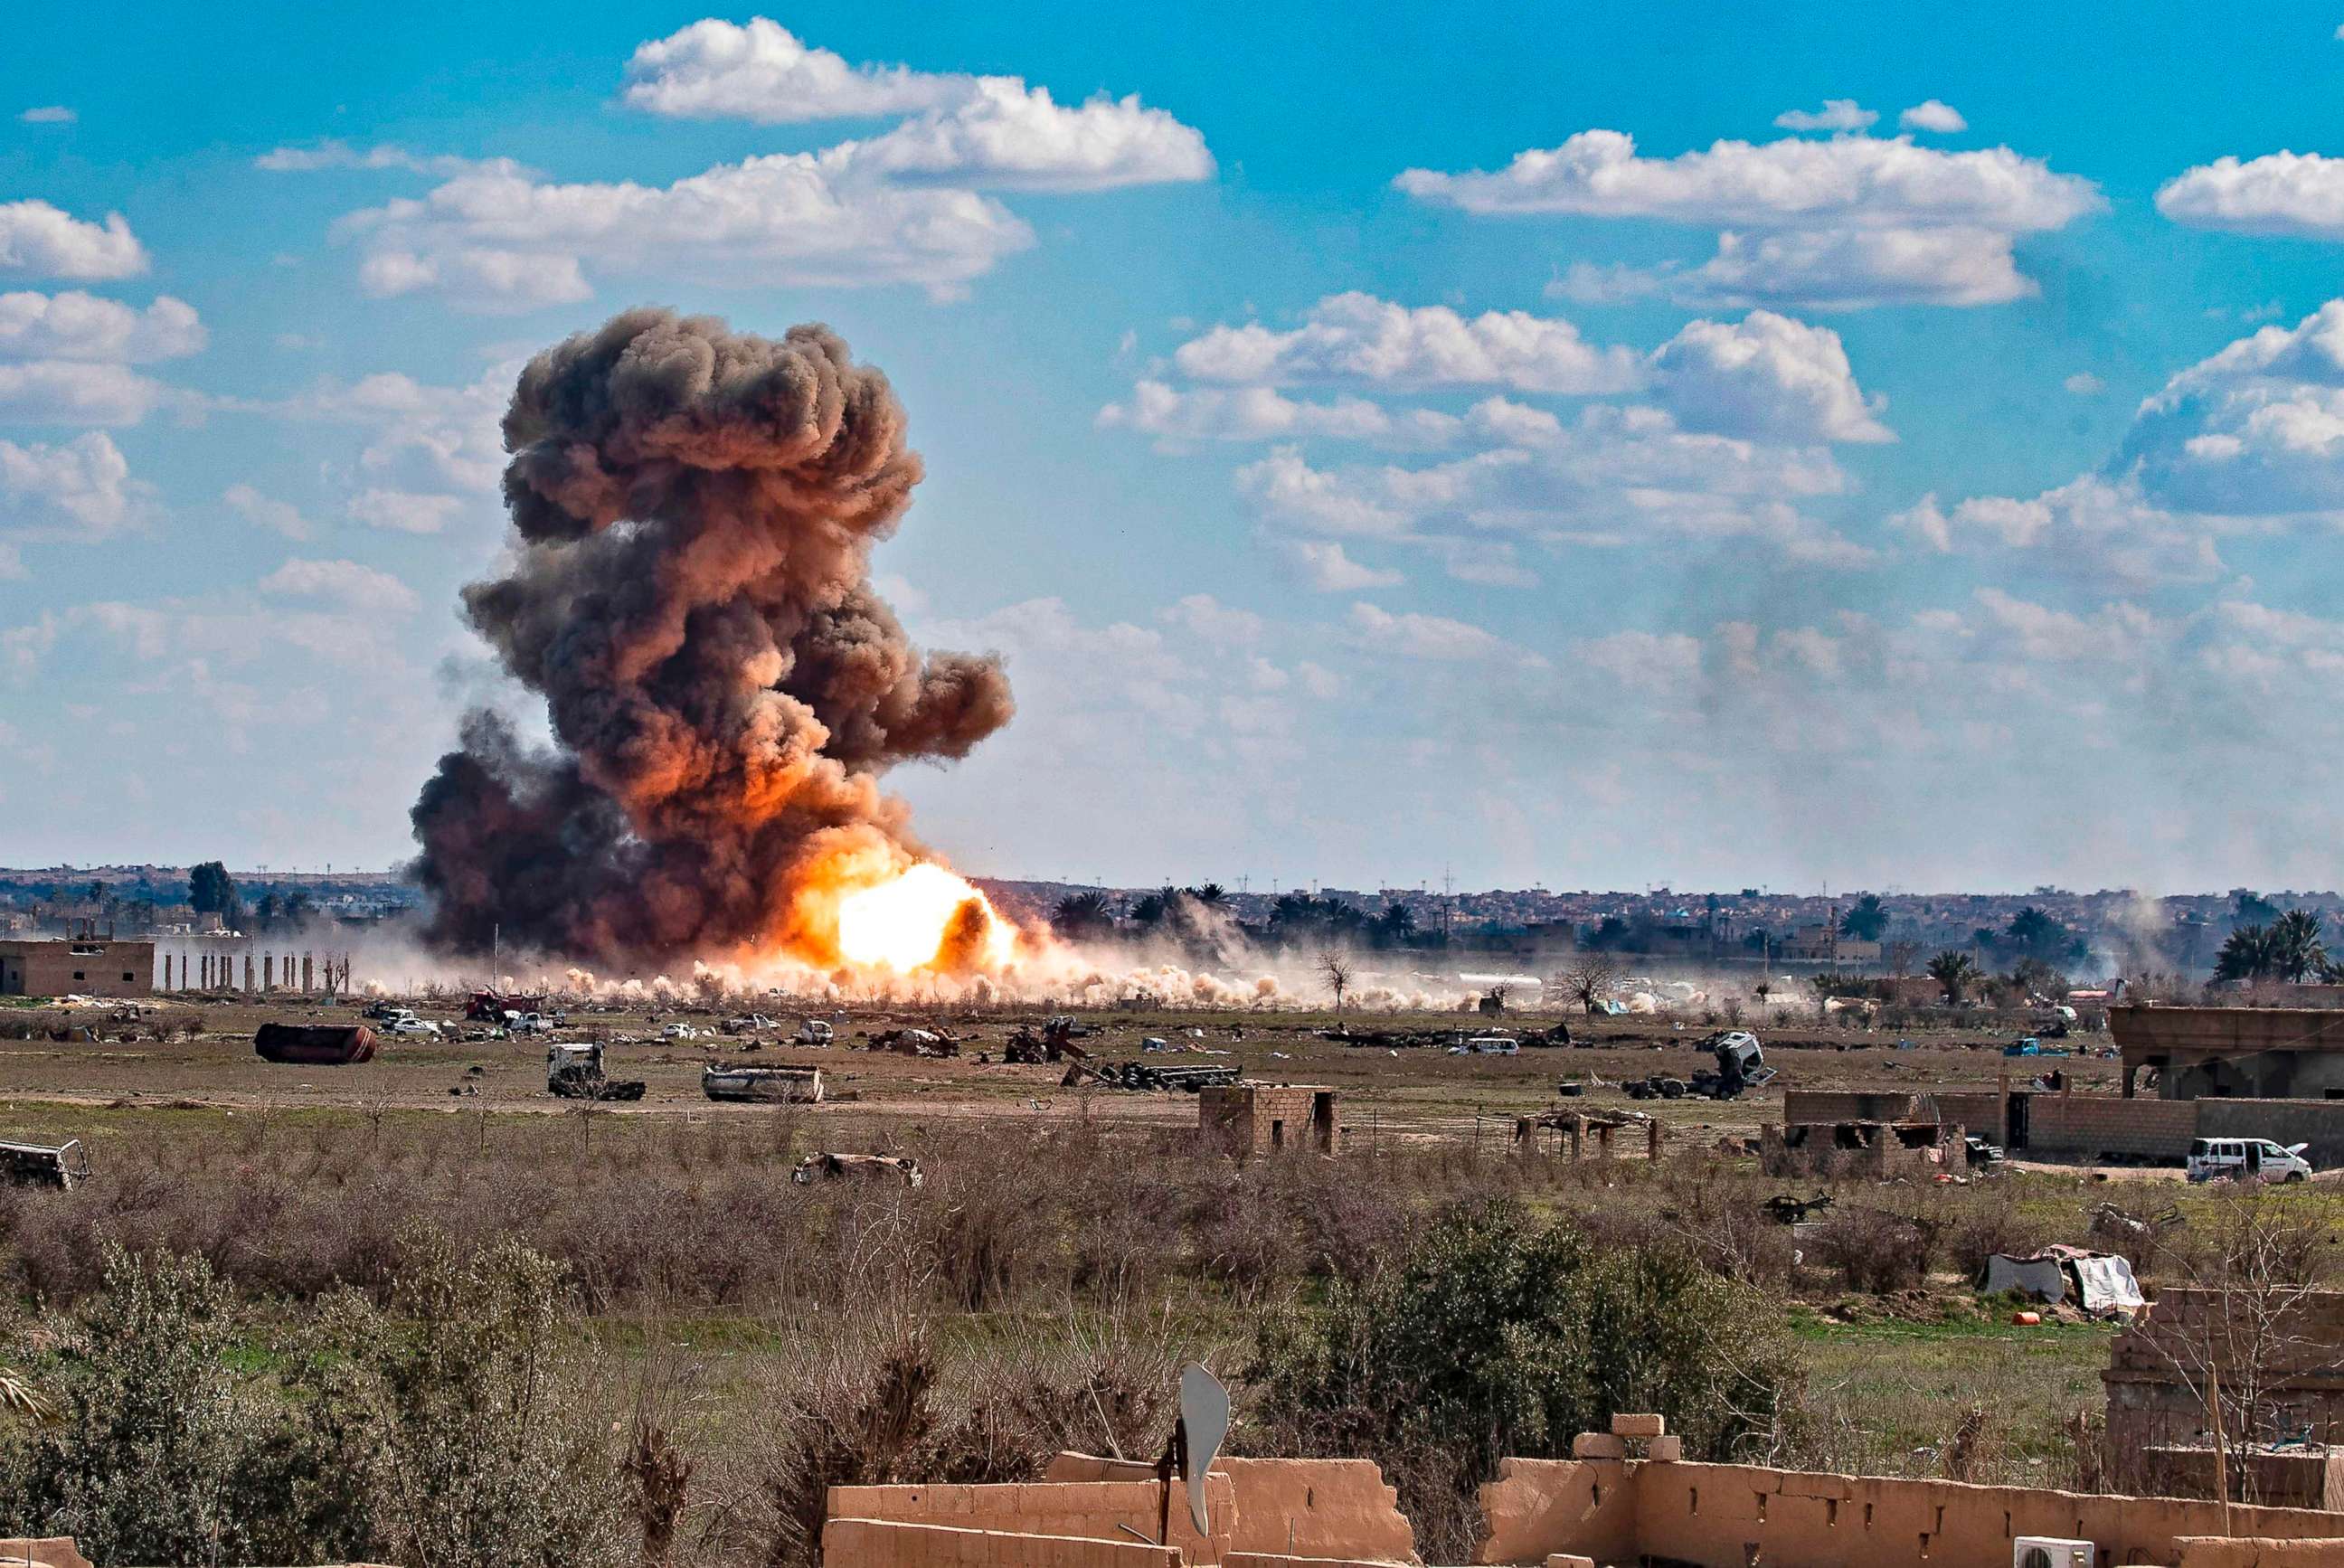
x: 76, y: 966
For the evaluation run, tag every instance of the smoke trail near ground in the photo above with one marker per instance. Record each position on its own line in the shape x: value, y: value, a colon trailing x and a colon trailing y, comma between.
x: 690, y: 593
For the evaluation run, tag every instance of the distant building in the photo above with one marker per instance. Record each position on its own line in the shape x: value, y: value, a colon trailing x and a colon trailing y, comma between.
x: 83, y: 966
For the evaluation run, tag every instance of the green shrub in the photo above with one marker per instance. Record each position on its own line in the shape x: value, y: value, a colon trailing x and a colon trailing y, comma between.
x: 1504, y: 1337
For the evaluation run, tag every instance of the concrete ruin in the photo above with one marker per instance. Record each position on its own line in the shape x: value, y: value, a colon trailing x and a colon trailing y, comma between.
x: 2162, y: 1371
x: 1861, y: 1135
x: 83, y: 966
x: 2243, y: 1053
x: 1627, y: 1496
x: 1256, y: 1119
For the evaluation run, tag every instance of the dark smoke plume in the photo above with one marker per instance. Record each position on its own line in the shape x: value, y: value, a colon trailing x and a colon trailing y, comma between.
x: 695, y: 511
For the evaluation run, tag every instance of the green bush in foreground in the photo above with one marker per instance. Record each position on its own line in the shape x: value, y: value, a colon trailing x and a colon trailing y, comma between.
x: 443, y: 1429
x: 1502, y: 1337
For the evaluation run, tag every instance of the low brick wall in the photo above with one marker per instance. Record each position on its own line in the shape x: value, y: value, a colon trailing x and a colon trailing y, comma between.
x: 1319, y: 1509
x: 1093, y: 1510
x: 889, y: 1544
x: 2094, y: 1127
x: 1728, y: 1516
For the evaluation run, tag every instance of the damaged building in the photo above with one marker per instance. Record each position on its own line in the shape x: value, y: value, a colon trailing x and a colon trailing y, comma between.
x: 2241, y: 1053
x: 1876, y: 1135
x: 85, y: 965
x: 1255, y: 1119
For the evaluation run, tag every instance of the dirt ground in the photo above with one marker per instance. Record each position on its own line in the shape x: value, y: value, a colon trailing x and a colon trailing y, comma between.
x: 1389, y: 1090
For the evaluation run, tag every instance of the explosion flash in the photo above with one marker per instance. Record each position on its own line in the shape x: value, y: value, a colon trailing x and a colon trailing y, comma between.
x: 927, y: 917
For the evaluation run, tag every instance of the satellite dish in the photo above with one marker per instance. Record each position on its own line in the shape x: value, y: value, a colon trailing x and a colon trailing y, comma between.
x: 1204, y: 1421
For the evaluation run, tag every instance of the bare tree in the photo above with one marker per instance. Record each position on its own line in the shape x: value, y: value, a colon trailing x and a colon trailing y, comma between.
x: 2252, y: 1333
x: 1335, y: 970
x: 1587, y: 983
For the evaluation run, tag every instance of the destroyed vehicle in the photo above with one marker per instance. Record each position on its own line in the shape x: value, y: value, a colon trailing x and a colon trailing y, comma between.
x: 314, y: 1044
x: 412, y: 1027
x: 770, y: 1086
x: 1980, y: 1152
x: 1488, y: 1046
x: 2246, y: 1159
x: 812, y: 1032
x: 45, y: 1165
x: 575, y: 1072
x: 916, y: 1043
x: 748, y: 1024
x: 816, y: 1168
x: 1145, y: 1076
x: 529, y: 1023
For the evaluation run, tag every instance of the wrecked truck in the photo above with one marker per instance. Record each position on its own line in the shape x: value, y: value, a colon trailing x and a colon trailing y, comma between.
x: 575, y: 1072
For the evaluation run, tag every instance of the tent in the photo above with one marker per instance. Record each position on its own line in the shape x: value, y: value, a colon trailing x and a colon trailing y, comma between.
x: 2098, y: 1282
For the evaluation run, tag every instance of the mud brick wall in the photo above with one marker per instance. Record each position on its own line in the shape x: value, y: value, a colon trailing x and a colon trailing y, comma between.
x: 1241, y: 1117
x: 883, y: 1544
x: 1098, y: 1510
x: 1306, y: 1508
x: 1728, y: 1516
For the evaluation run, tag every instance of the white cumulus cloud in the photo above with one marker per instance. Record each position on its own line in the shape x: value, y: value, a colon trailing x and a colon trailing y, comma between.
x: 760, y: 71
x: 75, y: 392
x: 1842, y: 223
x: 1765, y: 376
x: 2300, y: 195
x: 403, y: 511
x: 263, y: 512
x: 81, y: 488
x: 77, y: 326
x: 1837, y: 115
x: 39, y: 240
x: 345, y: 582
x: 1358, y: 337
x: 1326, y: 566
x: 1934, y: 115
x: 903, y: 206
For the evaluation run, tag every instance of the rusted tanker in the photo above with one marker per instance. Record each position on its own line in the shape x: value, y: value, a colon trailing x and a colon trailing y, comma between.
x: 314, y: 1044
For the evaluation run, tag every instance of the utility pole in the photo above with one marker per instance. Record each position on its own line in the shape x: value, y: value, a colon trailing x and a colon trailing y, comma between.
x: 1448, y: 902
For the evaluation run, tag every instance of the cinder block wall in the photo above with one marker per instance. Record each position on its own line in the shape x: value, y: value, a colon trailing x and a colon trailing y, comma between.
x: 2084, y: 1127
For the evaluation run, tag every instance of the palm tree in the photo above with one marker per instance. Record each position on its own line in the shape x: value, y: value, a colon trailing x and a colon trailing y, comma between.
x: 2249, y: 953
x: 1865, y: 919
x: 1083, y: 914
x: 1212, y: 894
x: 1954, y: 970
x: 2297, y: 949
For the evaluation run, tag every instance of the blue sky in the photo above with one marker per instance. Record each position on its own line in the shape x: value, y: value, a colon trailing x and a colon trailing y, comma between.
x: 1594, y: 447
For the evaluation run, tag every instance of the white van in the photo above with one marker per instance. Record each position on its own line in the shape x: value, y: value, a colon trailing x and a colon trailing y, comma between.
x: 2246, y: 1159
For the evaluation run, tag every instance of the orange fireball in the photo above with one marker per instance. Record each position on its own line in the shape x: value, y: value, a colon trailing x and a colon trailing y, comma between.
x: 907, y: 923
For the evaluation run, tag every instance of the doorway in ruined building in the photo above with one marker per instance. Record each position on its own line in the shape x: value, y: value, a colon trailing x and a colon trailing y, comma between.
x: 1277, y: 1134
x: 1322, y: 1121
x: 2014, y: 1116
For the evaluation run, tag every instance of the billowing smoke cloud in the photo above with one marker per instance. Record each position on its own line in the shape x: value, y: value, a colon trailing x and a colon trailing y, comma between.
x: 695, y: 511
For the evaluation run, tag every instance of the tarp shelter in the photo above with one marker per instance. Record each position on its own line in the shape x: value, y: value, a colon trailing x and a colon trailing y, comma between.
x: 2097, y: 1281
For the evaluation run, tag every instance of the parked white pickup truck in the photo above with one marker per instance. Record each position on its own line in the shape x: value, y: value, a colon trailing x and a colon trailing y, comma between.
x: 2246, y: 1159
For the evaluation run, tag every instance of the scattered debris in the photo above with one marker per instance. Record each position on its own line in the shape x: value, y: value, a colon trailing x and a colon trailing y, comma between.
x: 1784, y: 1209
x: 45, y: 1165
x: 1148, y: 1075
x: 816, y: 1168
